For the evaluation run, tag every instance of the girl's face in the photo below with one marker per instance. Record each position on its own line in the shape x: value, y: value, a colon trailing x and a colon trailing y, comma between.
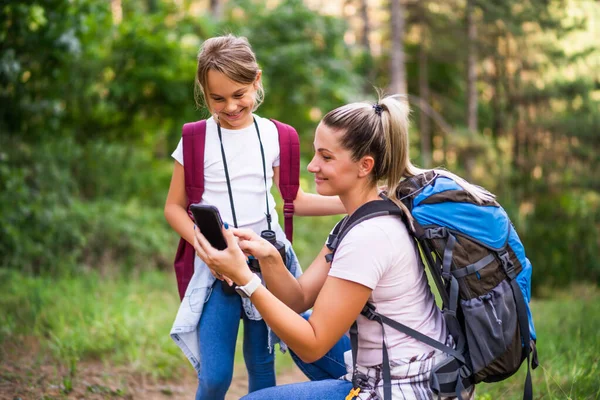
x: 231, y: 102
x: 335, y: 171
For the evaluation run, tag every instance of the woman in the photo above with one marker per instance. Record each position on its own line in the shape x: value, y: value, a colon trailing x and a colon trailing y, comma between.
x: 356, y: 147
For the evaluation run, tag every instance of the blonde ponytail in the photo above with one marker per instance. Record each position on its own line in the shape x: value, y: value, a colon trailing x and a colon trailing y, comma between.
x: 381, y: 131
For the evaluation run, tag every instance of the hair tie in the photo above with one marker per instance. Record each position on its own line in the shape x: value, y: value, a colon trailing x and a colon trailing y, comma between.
x: 378, y: 109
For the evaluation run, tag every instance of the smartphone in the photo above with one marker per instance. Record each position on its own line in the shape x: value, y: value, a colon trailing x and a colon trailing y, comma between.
x: 208, y: 220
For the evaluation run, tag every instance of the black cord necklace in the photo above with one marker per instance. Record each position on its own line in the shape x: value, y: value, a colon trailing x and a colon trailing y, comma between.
x: 262, y: 153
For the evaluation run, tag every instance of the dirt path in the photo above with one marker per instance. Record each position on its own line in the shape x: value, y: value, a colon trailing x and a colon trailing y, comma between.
x: 24, y: 376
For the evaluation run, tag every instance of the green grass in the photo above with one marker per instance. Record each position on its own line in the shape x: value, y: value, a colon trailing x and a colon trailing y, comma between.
x: 122, y: 320
x: 125, y: 320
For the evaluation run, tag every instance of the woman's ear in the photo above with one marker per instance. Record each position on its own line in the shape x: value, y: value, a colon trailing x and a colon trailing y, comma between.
x: 365, y: 166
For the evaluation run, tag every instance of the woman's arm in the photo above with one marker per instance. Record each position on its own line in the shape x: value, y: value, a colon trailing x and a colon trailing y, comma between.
x: 176, y: 205
x: 307, y: 204
x: 298, y: 294
x: 337, y: 307
x: 337, y: 304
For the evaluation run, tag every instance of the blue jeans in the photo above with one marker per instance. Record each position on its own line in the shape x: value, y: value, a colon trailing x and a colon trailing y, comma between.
x: 323, y: 373
x: 328, y: 389
x: 330, y: 366
x: 217, y: 336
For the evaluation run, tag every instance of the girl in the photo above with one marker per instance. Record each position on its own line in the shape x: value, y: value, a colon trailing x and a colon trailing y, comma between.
x: 240, y: 165
x: 356, y: 146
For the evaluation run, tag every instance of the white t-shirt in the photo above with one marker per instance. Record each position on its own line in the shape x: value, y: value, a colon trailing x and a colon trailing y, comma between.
x: 379, y: 253
x: 245, y: 167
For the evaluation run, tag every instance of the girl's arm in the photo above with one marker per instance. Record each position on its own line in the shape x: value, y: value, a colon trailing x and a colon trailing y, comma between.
x: 307, y: 204
x: 337, y: 304
x: 298, y: 294
x: 176, y: 205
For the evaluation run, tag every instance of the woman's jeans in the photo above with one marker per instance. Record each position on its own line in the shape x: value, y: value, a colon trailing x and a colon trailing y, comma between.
x: 330, y: 366
x: 217, y: 336
x: 323, y: 373
x: 328, y: 389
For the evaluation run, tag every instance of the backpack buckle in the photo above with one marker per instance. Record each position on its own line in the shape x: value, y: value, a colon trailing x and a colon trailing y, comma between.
x: 329, y: 258
x: 332, y: 242
x: 436, y: 233
x: 507, y: 264
x: 288, y: 209
x: 368, y: 312
x: 447, y: 311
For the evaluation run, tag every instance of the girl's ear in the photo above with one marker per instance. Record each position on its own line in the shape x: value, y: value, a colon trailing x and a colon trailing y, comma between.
x: 365, y: 166
x: 257, y: 80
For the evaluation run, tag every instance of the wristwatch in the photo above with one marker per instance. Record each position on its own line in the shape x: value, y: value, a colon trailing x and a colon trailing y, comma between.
x: 249, y: 288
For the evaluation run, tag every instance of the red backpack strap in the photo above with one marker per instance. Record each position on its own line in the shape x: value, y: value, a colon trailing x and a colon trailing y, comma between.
x: 194, y: 140
x: 289, y: 172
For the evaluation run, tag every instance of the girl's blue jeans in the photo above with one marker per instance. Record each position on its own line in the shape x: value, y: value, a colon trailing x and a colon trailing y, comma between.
x: 217, y: 336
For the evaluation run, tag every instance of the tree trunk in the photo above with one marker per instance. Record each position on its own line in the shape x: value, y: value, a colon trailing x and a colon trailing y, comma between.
x: 471, y: 67
x: 497, y: 97
x: 116, y: 9
x: 397, y: 67
x: 365, y: 42
x: 424, y: 119
x: 216, y: 9
x: 366, y: 31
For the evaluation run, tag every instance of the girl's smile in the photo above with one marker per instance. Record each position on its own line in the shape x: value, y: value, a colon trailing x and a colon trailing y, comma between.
x: 231, y: 102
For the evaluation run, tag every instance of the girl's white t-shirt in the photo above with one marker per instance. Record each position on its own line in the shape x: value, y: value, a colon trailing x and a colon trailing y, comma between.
x: 379, y: 253
x: 245, y: 167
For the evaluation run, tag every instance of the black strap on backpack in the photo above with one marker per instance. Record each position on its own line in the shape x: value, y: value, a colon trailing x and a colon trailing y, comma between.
x: 454, y: 381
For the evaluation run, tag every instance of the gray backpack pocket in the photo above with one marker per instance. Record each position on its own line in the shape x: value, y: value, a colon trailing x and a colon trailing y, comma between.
x: 492, y: 332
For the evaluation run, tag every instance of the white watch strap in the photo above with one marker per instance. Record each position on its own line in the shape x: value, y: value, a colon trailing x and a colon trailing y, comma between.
x: 249, y: 288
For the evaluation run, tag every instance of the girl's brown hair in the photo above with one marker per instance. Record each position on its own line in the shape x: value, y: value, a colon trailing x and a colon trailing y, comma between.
x: 233, y: 57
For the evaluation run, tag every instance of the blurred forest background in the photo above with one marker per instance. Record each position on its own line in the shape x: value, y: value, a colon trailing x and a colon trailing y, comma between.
x: 93, y: 95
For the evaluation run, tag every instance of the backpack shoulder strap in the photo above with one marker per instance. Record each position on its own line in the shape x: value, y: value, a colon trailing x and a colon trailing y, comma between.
x: 194, y: 141
x: 372, y: 209
x: 289, y: 172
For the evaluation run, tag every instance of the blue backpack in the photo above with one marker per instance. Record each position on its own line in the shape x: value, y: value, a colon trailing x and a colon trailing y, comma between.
x: 478, y: 264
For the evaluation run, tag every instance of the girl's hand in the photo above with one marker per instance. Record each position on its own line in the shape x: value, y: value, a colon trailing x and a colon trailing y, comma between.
x: 254, y: 245
x: 220, y: 276
x: 225, y: 264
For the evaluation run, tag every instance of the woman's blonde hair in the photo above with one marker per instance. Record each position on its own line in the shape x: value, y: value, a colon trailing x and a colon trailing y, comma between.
x: 233, y: 57
x: 380, y: 130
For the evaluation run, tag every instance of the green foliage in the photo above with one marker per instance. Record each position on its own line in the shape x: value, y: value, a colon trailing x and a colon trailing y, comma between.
x: 42, y: 48
x: 305, y: 62
x: 92, y: 106
x: 561, y: 238
x: 48, y: 225
x: 67, y: 70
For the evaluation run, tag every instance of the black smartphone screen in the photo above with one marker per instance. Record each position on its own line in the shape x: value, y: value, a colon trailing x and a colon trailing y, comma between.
x: 208, y: 220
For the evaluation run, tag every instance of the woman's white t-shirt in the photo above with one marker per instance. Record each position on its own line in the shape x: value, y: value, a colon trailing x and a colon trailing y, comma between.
x: 379, y: 253
x: 245, y: 167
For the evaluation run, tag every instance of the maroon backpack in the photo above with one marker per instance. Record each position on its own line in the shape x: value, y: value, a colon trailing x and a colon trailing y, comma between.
x: 194, y: 139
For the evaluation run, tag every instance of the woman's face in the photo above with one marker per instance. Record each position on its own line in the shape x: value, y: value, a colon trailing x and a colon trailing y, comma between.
x: 335, y: 171
x: 230, y: 101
